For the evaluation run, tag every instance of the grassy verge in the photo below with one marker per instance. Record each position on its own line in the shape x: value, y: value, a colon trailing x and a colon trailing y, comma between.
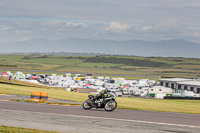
x: 164, y: 105
x: 179, y: 106
x: 8, y: 129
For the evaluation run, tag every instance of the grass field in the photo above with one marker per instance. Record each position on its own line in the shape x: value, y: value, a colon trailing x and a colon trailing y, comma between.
x: 179, y: 106
x: 8, y: 129
x: 122, y: 65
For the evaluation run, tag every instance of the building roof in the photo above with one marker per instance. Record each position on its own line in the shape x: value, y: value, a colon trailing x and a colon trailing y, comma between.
x: 175, y: 79
x: 193, y: 83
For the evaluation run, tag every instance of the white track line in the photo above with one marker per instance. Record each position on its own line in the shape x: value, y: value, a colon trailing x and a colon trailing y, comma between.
x: 138, y: 121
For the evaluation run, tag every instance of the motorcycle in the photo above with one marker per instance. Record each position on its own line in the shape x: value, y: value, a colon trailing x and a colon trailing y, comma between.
x: 108, y: 102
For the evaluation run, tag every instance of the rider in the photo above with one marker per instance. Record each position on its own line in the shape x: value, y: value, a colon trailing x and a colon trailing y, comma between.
x: 101, y: 94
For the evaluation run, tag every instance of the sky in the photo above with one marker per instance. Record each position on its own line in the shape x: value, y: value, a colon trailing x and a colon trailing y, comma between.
x: 150, y: 20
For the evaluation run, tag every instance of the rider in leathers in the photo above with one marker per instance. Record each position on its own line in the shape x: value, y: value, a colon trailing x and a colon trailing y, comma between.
x: 101, y: 94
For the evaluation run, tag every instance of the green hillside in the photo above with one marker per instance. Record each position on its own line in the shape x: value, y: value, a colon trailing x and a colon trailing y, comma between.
x: 121, y: 65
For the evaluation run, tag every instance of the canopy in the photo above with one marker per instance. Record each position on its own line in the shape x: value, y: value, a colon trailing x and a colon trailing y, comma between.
x: 4, y: 73
x: 87, y: 85
x: 118, y: 83
x: 18, y: 75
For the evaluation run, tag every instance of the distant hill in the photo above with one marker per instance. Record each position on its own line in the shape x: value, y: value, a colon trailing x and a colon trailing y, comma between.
x: 165, y: 48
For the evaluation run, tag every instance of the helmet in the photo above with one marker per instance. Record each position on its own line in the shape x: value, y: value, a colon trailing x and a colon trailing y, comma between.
x: 107, y: 90
x: 103, y: 91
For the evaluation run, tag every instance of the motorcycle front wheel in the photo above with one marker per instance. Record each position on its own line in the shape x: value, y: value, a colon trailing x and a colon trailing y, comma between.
x: 87, y: 104
x: 110, y: 105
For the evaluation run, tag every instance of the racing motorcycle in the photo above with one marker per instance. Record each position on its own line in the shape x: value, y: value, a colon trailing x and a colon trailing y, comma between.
x: 107, y: 102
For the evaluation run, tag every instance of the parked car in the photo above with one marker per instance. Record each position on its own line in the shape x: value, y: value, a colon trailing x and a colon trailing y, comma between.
x: 117, y: 93
x: 125, y: 92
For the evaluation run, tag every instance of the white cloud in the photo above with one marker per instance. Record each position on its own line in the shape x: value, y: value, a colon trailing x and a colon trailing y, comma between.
x: 117, y: 27
x: 71, y: 24
x: 22, y: 39
x: 63, y: 24
x: 5, y: 28
x: 58, y: 26
x: 191, y: 4
x: 146, y: 28
x: 136, y: 19
x: 197, y: 34
x: 192, y: 34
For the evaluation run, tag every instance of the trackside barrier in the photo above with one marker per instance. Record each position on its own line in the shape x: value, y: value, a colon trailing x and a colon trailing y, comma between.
x: 186, y: 98
x: 43, y: 96
x: 35, y: 96
x: 39, y: 96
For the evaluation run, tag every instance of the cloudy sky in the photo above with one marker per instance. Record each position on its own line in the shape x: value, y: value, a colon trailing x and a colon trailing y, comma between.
x: 151, y: 20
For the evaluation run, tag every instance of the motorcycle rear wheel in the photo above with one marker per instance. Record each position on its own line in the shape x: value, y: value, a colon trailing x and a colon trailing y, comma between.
x: 110, y: 105
x: 87, y: 104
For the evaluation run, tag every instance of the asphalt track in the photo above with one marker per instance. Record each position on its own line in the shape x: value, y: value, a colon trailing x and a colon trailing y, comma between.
x: 76, y: 119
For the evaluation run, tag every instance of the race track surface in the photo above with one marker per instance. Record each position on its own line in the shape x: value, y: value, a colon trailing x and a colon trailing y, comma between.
x: 76, y: 119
